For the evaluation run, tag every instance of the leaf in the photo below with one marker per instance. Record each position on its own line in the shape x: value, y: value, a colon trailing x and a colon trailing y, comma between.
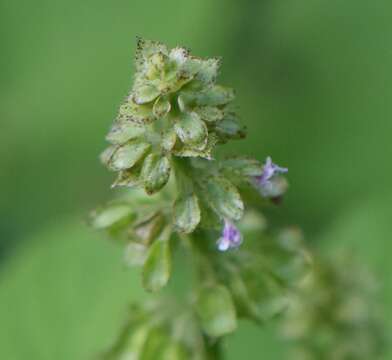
x: 112, y: 215
x: 216, y: 311
x: 168, y: 140
x: 145, y: 50
x: 189, y: 151
x: 186, y: 213
x: 155, y: 172
x: 156, y: 269
x: 120, y: 133
x: 214, y: 96
x: 128, y: 155
x: 243, y: 166
x: 161, y: 107
x: 209, y: 218
x: 179, y: 56
x: 230, y: 128
x: 209, y: 113
x: 191, y: 130
x: 223, y: 197
x: 148, y: 227
x: 129, y: 178
x: 131, y: 112
x: 208, y: 71
x: 67, y: 269
x: 175, y: 351
x: 135, y: 254
x: 136, y: 345
x: 107, y: 154
x: 144, y: 94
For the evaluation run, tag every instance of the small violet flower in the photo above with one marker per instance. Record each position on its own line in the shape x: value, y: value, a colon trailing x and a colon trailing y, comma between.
x: 231, y: 237
x: 266, y: 182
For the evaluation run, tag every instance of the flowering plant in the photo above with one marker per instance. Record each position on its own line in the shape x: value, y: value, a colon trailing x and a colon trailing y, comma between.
x: 179, y: 198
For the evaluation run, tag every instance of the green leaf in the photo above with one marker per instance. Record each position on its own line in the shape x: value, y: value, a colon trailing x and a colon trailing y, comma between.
x: 131, y: 112
x: 156, y: 269
x: 120, y: 133
x: 230, y: 128
x: 208, y: 71
x: 129, y: 178
x: 175, y: 351
x: 161, y: 107
x: 144, y: 94
x: 107, y: 154
x: 189, y: 151
x: 169, y: 138
x: 209, y: 113
x: 209, y: 218
x: 186, y: 213
x: 223, y: 197
x: 243, y: 166
x: 179, y: 55
x: 155, y: 172
x: 135, y: 254
x: 137, y: 344
x: 148, y: 227
x: 191, y: 130
x: 145, y: 50
x: 216, y: 311
x: 128, y: 155
x: 112, y: 215
x: 214, y: 96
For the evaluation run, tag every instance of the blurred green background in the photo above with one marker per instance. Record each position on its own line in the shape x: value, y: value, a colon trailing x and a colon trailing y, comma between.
x: 314, y: 83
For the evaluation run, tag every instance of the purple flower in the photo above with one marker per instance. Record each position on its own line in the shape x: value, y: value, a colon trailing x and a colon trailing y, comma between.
x: 231, y: 237
x: 269, y: 182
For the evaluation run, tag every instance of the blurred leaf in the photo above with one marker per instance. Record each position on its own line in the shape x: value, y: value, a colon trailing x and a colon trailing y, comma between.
x: 216, y: 310
x: 243, y: 166
x: 135, y: 254
x: 186, y: 213
x: 157, y: 268
x: 56, y: 293
x: 209, y: 218
x: 174, y: 351
x: 112, y: 215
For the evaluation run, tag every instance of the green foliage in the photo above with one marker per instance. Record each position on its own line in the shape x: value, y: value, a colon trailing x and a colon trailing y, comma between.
x: 160, y: 330
x: 332, y: 314
x: 157, y: 266
x: 163, y: 141
x: 216, y: 310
